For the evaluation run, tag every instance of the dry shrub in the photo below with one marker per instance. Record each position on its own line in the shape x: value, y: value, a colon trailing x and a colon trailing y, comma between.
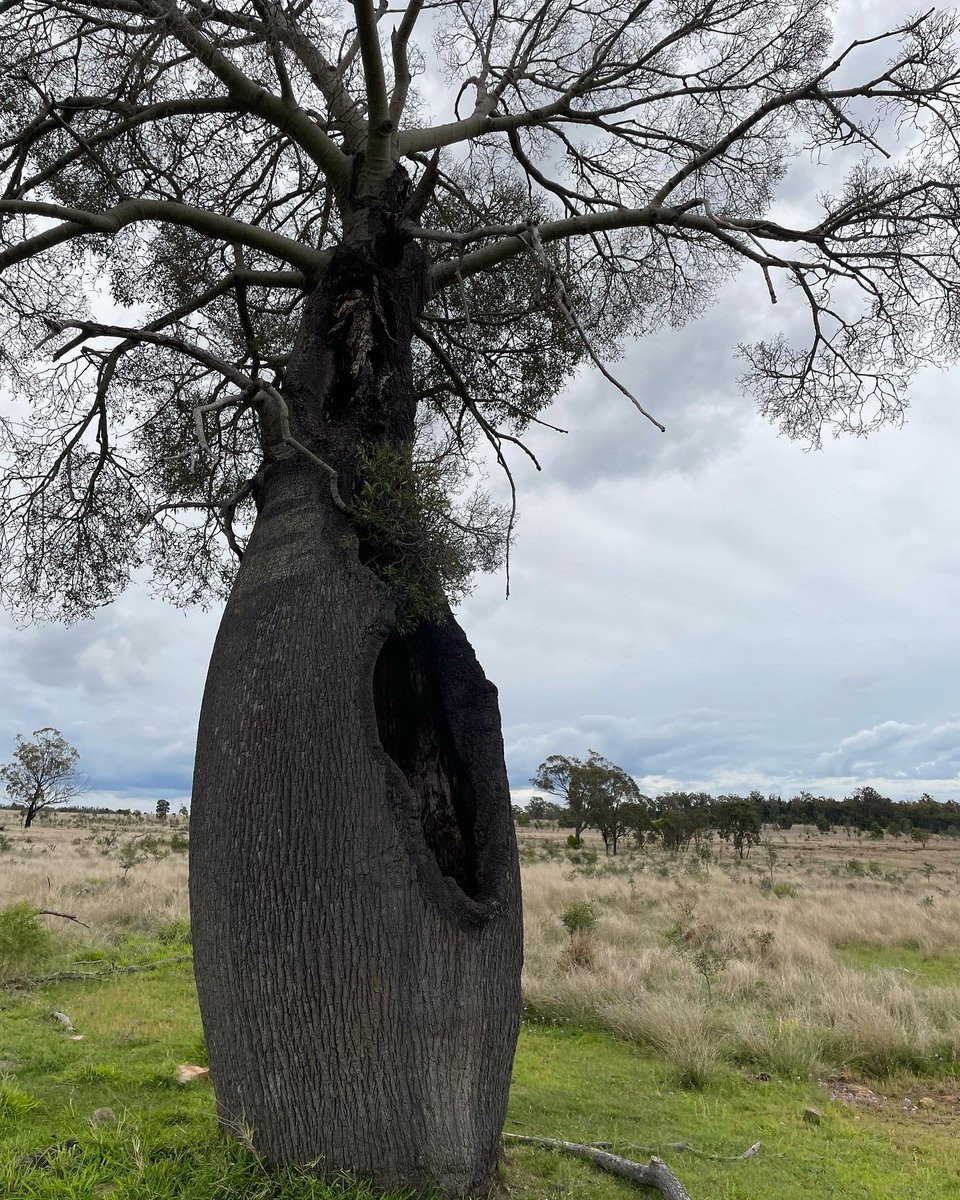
x: 684, y: 1034
x: 579, y: 953
x: 791, y: 1005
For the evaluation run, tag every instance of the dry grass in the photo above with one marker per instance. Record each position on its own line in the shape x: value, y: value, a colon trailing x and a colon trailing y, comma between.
x: 774, y: 987
x: 706, y: 965
x: 70, y: 863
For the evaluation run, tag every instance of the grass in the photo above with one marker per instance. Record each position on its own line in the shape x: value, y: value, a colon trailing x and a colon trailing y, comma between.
x: 941, y: 969
x: 700, y: 1006
x: 703, y: 964
x: 577, y: 1084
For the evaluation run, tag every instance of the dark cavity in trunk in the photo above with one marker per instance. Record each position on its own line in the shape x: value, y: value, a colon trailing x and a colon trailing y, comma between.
x: 415, y: 732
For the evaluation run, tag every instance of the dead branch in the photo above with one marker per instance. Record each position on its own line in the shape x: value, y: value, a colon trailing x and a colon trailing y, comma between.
x: 48, y: 912
x: 655, y: 1174
x: 688, y: 1149
x: 26, y: 981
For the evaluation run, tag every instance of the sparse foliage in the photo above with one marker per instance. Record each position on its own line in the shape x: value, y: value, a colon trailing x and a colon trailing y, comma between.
x: 132, y: 854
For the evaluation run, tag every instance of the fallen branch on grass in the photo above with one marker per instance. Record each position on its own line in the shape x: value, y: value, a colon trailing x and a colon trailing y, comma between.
x: 748, y: 1153
x: 71, y: 976
x: 655, y: 1174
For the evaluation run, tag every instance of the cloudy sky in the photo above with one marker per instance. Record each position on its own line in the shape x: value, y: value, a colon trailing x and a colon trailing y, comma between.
x: 712, y: 607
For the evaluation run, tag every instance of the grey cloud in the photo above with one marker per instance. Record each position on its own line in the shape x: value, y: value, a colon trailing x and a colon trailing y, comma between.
x: 894, y: 749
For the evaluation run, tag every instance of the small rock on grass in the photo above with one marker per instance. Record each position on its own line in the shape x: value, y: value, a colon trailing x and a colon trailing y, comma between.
x: 103, y: 1116
x: 812, y: 1116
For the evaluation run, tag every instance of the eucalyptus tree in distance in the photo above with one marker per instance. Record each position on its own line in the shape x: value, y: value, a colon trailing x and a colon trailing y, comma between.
x: 291, y: 251
x: 43, y: 773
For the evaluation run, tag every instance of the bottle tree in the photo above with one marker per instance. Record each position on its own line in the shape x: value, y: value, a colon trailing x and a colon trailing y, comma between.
x: 270, y: 273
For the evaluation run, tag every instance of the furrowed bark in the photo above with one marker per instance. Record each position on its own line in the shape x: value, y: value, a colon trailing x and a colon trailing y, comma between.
x: 354, y: 881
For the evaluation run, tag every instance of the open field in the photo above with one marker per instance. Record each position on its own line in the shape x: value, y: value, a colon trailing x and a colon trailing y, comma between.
x: 702, y: 1007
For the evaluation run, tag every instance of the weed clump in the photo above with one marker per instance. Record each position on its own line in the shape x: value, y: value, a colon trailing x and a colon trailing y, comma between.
x: 23, y: 938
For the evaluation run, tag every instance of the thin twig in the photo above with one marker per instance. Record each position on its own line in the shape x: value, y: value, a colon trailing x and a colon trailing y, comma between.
x: 564, y: 304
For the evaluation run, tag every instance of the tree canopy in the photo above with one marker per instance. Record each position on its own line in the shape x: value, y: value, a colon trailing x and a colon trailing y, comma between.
x: 175, y: 176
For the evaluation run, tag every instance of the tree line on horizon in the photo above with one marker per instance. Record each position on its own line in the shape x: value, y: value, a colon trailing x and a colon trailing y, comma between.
x: 596, y: 793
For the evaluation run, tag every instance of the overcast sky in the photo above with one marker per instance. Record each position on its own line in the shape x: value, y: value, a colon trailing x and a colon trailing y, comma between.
x: 712, y: 608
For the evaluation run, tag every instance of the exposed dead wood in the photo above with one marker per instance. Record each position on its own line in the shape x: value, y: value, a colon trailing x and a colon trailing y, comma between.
x: 655, y: 1174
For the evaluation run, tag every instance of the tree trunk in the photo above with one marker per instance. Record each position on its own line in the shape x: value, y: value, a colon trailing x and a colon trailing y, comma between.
x: 354, y: 879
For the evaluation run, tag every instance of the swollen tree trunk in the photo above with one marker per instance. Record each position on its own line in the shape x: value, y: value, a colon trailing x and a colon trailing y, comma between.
x: 354, y: 881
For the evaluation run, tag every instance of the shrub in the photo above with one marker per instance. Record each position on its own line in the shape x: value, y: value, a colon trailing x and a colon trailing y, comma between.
x: 785, y: 889
x: 579, y: 917
x: 179, y: 843
x: 23, y: 938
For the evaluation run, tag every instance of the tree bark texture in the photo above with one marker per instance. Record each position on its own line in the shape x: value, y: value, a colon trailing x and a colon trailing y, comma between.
x: 354, y: 881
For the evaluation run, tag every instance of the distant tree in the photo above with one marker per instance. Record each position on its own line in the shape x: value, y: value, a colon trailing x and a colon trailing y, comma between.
x: 541, y: 809
x: 183, y: 812
x: 638, y: 819
x: 738, y: 822
x: 612, y: 797
x: 563, y: 776
x: 920, y: 835
x: 823, y: 825
x: 675, y: 827
x: 43, y: 773
x: 163, y: 808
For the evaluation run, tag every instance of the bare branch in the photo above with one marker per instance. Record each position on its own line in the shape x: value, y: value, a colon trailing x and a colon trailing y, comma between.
x: 79, y: 222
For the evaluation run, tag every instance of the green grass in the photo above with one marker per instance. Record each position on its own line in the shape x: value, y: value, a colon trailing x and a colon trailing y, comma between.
x: 941, y: 969
x: 579, y: 1085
